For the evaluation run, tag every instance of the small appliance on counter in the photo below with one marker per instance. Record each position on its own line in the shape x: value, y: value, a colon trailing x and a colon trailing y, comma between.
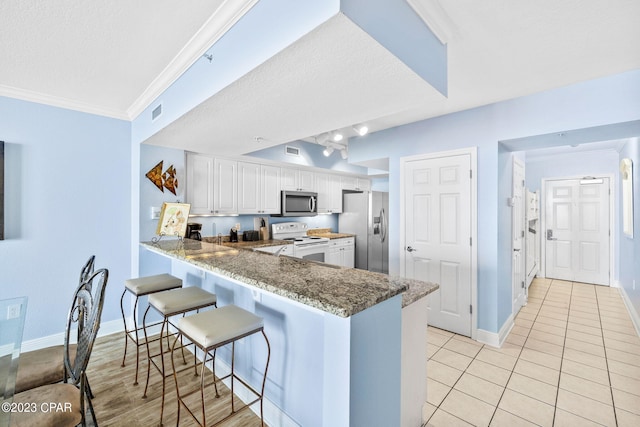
x: 233, y: 235
x: 193, y: 231
x: 250, y: 236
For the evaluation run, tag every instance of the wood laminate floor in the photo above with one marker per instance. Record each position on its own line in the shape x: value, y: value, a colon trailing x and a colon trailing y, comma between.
x: 118, y: 402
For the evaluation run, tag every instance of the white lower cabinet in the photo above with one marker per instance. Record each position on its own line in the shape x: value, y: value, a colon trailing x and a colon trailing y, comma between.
x: 342, y: 252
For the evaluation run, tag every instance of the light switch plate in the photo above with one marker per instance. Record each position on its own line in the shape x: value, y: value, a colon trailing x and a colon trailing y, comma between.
x: 155, y: 212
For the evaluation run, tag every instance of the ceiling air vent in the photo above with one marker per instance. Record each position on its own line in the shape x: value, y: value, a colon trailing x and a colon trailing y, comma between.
x: 156, y: 112
x: 292, y: 151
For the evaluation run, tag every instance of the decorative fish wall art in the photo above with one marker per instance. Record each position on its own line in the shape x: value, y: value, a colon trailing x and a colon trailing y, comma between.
x: 164, y: 180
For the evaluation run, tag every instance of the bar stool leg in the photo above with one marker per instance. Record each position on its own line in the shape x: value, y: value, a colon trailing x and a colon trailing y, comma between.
x: 146, y: 340
x: 264, y: 379
x: 175, y: 379
x: 126, y: 334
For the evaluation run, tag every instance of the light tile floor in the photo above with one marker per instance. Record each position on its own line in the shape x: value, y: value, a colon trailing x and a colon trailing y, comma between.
x: 572, y: 359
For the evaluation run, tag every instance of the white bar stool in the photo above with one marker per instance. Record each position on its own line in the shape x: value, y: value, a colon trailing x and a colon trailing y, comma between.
x: 209, y: 331
x: 171, y: 303
x: 140, y: 287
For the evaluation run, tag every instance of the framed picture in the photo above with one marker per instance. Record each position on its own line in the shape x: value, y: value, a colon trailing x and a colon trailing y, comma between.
x: 173, y: 219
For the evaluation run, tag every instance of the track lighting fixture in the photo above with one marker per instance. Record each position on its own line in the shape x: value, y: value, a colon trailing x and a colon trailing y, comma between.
x: 361, y: 129
x: 327, y: 151
x: 337, y: 136
x: 344, y: 153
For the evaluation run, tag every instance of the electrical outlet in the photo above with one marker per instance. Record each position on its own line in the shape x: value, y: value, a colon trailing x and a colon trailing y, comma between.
x: 13, y: 311
x: 155, y: 212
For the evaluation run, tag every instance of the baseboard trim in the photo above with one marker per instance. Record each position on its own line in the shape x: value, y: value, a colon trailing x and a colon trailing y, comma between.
x: 496, y: 339
x: 635, y: 318
x: 106, y: 328
x: 273, y: 415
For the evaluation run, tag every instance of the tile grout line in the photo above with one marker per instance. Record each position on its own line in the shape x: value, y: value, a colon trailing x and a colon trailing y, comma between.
x: 606, y: 361
x: 517, y: 359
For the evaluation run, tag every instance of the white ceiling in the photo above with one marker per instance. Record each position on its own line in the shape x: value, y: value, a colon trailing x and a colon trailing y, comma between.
x: 111, y: 57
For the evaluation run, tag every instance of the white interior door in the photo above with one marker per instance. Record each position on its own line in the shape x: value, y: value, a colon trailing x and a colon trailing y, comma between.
x: 437, y: 210
x: 518, y: 237
x: 577, y: 235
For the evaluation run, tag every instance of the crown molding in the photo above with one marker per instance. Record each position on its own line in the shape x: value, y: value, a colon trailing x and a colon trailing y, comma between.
x: 58, y: 101
x: 436, y: 18
x: 213, y: 29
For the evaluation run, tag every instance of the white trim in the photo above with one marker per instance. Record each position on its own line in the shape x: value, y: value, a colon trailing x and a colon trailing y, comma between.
x: 106, y: 328
x: 493, y: 339
x: 273, y: 415
x: 213, y: 29
x: 436, y: 18
x: 543, y: 222
x: 473, y: 153
x: 523, y: 248
x: 635, y: 317
x: 61, y: 102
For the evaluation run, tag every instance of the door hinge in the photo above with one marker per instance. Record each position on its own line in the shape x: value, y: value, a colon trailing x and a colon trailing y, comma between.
x: 470, y: 309
x: 522, y: 284
x: 470, y: 241
x: 470, y: 173
x: 522, y: 232
x: 523, y: 182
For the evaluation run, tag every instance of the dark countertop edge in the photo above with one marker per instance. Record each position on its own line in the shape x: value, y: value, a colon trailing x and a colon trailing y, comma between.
x: 301, y: 299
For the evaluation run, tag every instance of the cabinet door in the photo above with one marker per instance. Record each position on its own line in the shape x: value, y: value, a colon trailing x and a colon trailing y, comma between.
x: 349, y: 182
x: 200, y: 183
x: 270, y: 189
x: 334, y: 256
x: 225, y: 179
x: 306, y: 180
x: 364, y: 184
x: 324, y: 193
x: 348, y: 256
x: 249, y: 190
x: 335, y: 193
x: 289, y: 179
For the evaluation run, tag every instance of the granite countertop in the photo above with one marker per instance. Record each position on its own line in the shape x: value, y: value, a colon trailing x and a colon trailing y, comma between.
x: 248, y: 245
x: 336, y: 290
x: 326, y: 232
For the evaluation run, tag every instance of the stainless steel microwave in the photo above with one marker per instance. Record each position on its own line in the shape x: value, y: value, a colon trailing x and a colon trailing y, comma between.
x: 299, y: 203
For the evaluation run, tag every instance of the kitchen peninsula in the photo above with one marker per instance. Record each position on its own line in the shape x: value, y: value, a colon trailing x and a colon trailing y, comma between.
x: 336, y: 333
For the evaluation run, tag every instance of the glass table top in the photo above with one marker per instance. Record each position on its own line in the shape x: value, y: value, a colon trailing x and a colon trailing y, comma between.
x: 12, y: 314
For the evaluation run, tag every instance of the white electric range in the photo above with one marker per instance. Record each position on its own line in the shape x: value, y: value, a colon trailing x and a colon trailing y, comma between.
x: 304, y: 246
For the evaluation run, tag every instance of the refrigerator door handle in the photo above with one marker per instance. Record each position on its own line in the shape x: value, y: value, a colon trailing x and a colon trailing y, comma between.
x: 383, y: 224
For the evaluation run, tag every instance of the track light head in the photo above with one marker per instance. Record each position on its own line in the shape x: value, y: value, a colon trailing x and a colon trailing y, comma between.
x: 337, y: 136
x: 361, y: 130
x: 327, y: 151
x: 344, y: 153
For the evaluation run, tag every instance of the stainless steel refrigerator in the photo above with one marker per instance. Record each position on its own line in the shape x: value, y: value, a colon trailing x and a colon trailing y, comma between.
x: 365, y: 214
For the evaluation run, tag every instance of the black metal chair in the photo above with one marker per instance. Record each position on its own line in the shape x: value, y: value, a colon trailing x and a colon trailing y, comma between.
x: 65, y: 402
x: 46, y: 365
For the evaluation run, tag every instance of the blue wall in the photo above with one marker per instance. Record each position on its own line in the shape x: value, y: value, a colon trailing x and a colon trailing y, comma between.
x: 68, y: 192
x: 310, y: 155
x: 613, y: 99
x: 629, y: 252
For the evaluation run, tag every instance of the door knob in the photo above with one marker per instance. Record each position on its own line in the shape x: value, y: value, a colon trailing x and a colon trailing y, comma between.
x: 410, y: 249
x: 550, y: 235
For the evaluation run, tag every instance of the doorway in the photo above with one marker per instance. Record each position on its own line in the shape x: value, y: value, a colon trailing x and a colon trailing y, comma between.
x: 438, y: 229
x: 577, y: 238
x: 518, y: 237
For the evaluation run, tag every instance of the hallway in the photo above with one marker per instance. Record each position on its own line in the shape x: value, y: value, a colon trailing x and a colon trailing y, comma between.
x: 572, y: 359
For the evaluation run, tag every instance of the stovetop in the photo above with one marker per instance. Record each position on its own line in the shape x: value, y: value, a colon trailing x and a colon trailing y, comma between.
x: 295, y: 232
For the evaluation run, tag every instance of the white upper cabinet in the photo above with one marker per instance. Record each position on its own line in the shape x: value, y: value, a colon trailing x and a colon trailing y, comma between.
x: 270, y: 189
x: 355, y: 183
x: 225, y: 179
x: 297, y: 180
x: 329, y: 189
x: 258, y: 189
x: 249, y: 181
x: 199, y: 183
